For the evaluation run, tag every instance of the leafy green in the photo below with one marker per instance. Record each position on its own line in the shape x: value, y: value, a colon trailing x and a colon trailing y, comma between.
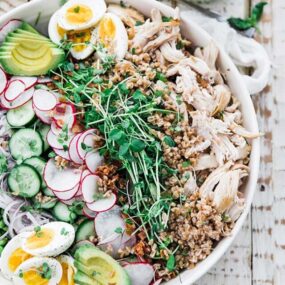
x: 169, y: 141
x: 250, y: 22
x: 3, y: 164
x: 167, y: 19
x: 170, y: 265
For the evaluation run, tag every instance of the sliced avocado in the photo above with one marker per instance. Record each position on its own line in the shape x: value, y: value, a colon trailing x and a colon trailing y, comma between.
x: 27, y: 27
x: 29, y: 54
x: 99, y: 266
x: 27, y: 34
x: 28, y: 67
x: 82, y: 279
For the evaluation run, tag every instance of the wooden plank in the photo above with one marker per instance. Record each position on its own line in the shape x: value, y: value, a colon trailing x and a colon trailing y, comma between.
x: 268, y: 208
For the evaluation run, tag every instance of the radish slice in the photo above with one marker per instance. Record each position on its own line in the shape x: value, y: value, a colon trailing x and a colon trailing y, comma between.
x: 21, y: 100
x: 90, y: 188
x: 10, y: 26
x: 52, y: 140
x: 28, y: 81
x: 93, y: 160
x: 117, y: 245
x: 44, y: 116
x: 70, y: 201
x: 87, y: 140
x: 62, y: 153
x: 104, y: 204
x: 73, y: 150
x: 3, y: 80
x: 61, y: 179
x: 43, y: 80
x: 88, y: 213
x: 55, y: 129
x: 157, y: 282
x: 140, y: 273
x: 44, y: 100
x: 67, y: 195
x: 14, y: 89
x: 64, y: 114
x: 106, y: 224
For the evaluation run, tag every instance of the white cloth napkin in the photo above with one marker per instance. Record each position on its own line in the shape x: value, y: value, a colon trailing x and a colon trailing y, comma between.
x: 245, y: 52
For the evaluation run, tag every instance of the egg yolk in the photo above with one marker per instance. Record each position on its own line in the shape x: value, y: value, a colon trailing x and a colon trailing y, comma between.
x: 67, y: 274
x: 33, y: 277
x: 40, y: 239
x: 79, y: 38
x: 107, y: 31
x: 16, y: 258
x: 79, y: 14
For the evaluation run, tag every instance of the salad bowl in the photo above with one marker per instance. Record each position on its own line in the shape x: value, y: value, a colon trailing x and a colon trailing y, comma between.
x: 39, y: 12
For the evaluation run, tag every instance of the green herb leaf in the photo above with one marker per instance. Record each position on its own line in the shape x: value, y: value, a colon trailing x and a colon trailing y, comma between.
x: 119, y: 230
x: 169, y: 141
x: 116, y: 135
x: 250, y: 22
x: 3, y: 164
x: 257, y: 11
x: 160, y: 76
x: 166, y: 19
x: 138, y: 95
x: 124, y: 148
x: 186, y: 164
x: 139, y: 23
x: 76, y: 9
x: 170, y: 265
x: 137, y: 145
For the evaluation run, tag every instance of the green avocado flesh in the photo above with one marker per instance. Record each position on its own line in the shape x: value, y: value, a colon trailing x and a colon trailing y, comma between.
x: 25, y: 52
x: 96, y: 267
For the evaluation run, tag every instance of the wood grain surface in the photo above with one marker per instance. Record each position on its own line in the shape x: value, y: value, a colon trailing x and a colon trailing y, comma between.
x: 258, y: 254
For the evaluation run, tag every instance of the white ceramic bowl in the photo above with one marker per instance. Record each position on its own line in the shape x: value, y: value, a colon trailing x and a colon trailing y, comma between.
x: 199, y: 37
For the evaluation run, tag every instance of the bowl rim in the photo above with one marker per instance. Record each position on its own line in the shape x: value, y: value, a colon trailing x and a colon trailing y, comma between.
x: 188, y: 26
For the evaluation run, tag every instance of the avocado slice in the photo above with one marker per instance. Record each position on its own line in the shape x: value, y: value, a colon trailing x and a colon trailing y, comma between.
x: 82, y: 279
x: 29, y: 54
x: 27, y: 27
x: 98, y: 267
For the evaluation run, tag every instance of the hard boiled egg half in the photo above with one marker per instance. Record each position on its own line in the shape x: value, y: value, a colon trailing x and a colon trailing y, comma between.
x: 83, y: 41
x: 81, y: 14
x: 68, y: 270
x: 112, y: 35
x: 13, y: 255
x: 38, y: 271
x: 51, y: 239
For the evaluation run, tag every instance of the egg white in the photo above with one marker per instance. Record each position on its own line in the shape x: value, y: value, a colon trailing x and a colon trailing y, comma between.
x: 37, y: 262
x: 98, y: 8
x: 60, y: 242
x: 11, y: 246
x: 119, y: 44
x: 56, y: 38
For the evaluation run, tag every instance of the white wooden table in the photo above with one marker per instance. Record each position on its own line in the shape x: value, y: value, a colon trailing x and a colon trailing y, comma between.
x: 258, y: 254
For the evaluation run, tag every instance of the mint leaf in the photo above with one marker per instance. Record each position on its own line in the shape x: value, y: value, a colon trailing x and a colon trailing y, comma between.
x: 137, y: 145
x: 169, y: 141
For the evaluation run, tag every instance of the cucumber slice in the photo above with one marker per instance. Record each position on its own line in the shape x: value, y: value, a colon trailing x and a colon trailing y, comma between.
x: 39, y: 164
x: 24, y: 181
x: 61, y: 212
x: 21, y: 116
x: 43, y: 129
x: 44, y: 202
x: 48, y: 192
x: 25, y: 143
x: 85, y: 231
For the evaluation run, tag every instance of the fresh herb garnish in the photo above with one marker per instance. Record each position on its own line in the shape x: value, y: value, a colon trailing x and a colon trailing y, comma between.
x: 170, y: 265
x: 46, y: 271
x: 169, y: 141
x: 250, y: 22
x: 76, y: 9
x: 38, y: 231
x: 186, y: 164
x: 119, y: 230
x: 138, y: 23
x: 3, y: 164
x: 166, y: 19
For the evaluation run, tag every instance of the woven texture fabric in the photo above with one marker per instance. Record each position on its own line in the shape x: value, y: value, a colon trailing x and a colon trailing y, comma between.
x: 6, y: 5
